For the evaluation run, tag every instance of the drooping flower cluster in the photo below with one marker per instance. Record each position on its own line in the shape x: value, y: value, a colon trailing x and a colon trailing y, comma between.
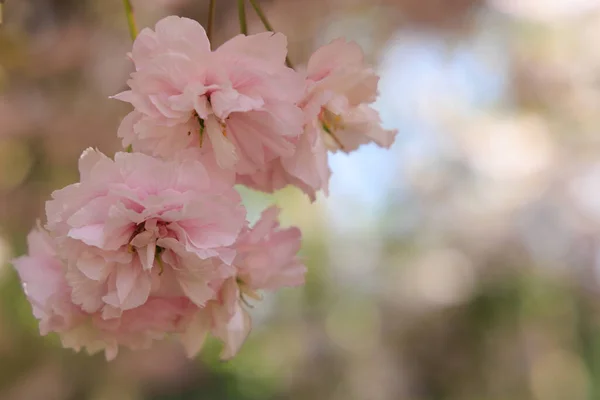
x: 155, y: 242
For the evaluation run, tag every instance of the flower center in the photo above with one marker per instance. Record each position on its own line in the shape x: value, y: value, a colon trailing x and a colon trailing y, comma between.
x: 201, y: 122
x: 143, y: 241
x: 139, y: 228
x: 247, y: 291
x: 331, y: 123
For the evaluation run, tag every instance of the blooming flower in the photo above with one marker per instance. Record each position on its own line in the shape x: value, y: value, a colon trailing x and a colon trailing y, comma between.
x: 338, y: 116
x: 43, y: 279
x: 238, y: 101
x: 266, y: 260
x: 267, y: 255
x: 139, y: 227
x: 156, y: 243
x: 338, y: 72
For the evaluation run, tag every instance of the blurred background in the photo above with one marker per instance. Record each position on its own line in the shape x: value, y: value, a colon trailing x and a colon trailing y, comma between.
x: 462, y: 264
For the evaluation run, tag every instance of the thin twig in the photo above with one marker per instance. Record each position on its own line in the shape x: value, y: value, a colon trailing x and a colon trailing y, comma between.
x: 267, y: 25
x: 211, y: 19
x: 242, y: 17
x: 261, y: 15
x: 130, y: 19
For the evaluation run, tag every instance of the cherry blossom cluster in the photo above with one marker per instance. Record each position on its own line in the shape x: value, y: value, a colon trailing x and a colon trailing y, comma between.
x: 154, y: 242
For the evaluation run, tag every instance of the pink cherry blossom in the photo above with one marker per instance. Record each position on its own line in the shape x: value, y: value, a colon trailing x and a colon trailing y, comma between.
x: 267, y: 255
x: 340, y: 87
x: 224, y: 317
x: 138, y: 227
x: 266, y: 260
x: 238, y: 101
x: 43, y: 279
x: 338, y: 71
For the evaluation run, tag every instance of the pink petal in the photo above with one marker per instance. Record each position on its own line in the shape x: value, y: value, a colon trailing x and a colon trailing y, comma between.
x: 183, y: 34
x: 226, y: 101
x: 196, y: 289
x: 143, y: 47
x: 111, y: 352
x: 90, y: 234
x: 142, y: 239
x: 95, y: 268
x: 194, y: 275
x: 133, y: 286
x: 338, y: 53
x: 266, y: 46
x: 194, y: 336
x: 225, y: 152
x: 86, y: 293
x: 147, y: 256
x: 266, y: 223
x: 126, y: 96
x: 88, y: 160
x: 126, y: 128
x: 235, y: 332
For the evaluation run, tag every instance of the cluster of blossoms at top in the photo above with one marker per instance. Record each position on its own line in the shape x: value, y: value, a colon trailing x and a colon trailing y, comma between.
x: 155, y: 242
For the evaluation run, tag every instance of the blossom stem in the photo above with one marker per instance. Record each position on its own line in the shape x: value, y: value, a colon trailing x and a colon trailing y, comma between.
x: 261, y: 15
x: 130, y: 19
x: 211, y: 19
x: 336, y: 140
x: 243, y: 299
x: 242, y: 17
x: 330, y: 132
x: 133, y: 33
x: 267, y: 25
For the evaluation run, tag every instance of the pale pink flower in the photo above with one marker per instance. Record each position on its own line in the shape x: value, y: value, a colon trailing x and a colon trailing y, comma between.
x: 340, y: 87
x: 266, y: 260
x: 267, y: 255
x: 138, y: 227
x: 338, y: 72
x: 224, y: 317
x: 238, y: 101
x: 43, y: 278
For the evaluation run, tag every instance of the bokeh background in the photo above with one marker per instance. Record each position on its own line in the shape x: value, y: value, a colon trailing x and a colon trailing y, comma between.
x: 462, y: 264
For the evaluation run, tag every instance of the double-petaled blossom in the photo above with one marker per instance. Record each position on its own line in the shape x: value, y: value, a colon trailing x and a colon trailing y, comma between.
x: 156, y: 242
x: 43, y: 277
x: 339, y: 90
x: 338, y: 72
x: 238, y: 102
x: 137, y: 226
x: 266, y: 260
